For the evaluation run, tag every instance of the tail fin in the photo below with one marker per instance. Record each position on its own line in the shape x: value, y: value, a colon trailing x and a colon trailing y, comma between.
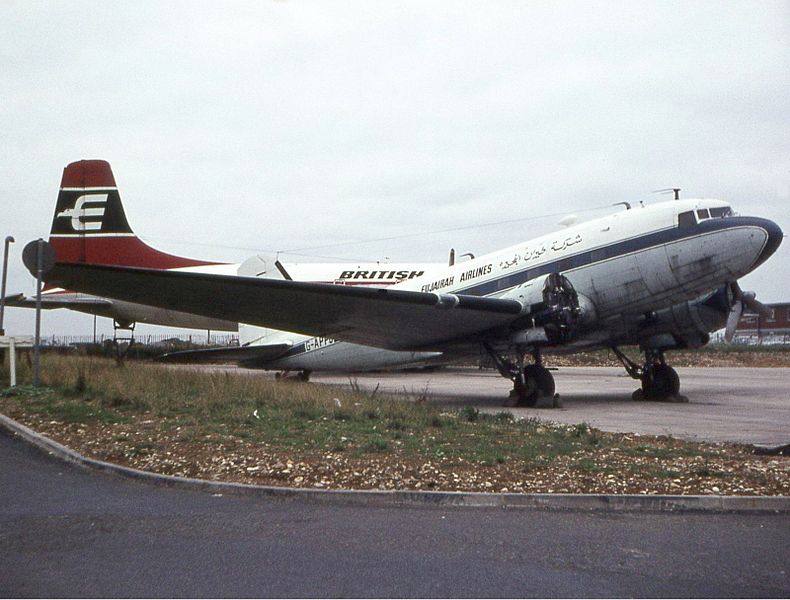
x: 90, y: 224
x: 268, y: 267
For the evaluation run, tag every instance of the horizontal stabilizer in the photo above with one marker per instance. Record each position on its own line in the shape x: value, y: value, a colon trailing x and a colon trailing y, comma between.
x: 241, y: 354
x: 53, y: 301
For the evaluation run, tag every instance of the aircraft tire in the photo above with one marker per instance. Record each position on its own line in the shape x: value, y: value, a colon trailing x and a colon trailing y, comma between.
x: 664, y: 383
x: 539, y: 383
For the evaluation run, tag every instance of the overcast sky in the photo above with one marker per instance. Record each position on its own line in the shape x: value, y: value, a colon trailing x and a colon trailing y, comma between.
x: 233, y: 127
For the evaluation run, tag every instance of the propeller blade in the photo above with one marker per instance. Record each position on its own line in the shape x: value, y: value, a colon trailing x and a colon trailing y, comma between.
x: 732, y: 320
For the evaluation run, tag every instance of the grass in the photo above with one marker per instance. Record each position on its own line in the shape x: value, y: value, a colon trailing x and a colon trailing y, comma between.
x: 291, y: 416
x: 306, y: 421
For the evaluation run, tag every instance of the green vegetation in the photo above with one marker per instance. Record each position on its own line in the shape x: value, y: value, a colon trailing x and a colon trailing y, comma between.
x: 251, y: 427
x: 292, y: 416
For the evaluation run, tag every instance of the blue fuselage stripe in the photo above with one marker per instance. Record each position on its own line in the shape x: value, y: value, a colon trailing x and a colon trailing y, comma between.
x: 604, y: 253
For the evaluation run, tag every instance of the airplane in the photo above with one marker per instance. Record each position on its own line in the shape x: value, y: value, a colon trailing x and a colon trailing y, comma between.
x: 661, y: 276
x: 90, y: 224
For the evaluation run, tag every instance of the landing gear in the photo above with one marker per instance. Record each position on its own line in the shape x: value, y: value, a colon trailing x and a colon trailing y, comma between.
x: 122, y: 343
x: 659, y: 380
x: 531, y: 383
x: 303, y: 375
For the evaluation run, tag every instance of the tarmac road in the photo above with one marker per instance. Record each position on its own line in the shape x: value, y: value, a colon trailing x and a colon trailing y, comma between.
x: 725, y: 404
x: 69, y: 532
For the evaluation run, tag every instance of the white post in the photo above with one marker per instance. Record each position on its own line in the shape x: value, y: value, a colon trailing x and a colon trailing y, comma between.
x: 12, y: 361
x: 37, y: 346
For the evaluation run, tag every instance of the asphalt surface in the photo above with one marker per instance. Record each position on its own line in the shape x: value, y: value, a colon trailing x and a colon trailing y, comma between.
x: 69, y: 532
x: 725, y: 404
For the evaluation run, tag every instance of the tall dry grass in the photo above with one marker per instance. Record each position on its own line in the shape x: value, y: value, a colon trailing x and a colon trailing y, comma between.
x: 166, y: 391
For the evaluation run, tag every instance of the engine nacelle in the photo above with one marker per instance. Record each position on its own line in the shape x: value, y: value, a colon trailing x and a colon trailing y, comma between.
x: 554, y: 311
x: 686, y: 325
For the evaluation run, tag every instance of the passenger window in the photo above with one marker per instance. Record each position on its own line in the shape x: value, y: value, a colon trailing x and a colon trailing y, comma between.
x: 686, y: 219
x: 703, y: 213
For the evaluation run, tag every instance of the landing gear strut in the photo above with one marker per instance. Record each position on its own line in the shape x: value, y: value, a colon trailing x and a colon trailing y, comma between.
x: 122, y: 343
x: 659, y: 380
x: 530, y: 382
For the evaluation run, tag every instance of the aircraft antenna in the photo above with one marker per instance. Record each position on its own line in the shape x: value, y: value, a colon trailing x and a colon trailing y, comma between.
x: 626, y: 204
x: 676, y: 191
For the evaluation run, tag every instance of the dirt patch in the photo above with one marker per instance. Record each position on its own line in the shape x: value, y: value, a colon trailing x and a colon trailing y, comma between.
x: 636, y: 465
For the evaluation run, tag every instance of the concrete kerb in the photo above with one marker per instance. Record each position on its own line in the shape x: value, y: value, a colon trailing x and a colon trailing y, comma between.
x: 591, y: 502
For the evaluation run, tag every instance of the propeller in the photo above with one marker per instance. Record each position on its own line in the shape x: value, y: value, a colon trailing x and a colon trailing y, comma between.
x: 741, y: 299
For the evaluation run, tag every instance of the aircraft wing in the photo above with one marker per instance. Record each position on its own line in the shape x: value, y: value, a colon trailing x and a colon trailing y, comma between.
x: 387, y: 318
x: 263, y: 353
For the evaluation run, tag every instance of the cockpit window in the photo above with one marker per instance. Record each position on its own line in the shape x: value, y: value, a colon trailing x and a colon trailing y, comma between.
x: 722, y: 211
x: 686, y: 219
x: 713, y: 213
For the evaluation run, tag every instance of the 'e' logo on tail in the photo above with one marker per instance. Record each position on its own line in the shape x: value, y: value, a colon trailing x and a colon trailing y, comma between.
x: 79, y: 213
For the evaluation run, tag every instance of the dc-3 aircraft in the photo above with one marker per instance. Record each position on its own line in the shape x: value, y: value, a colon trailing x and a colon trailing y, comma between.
x: 90, y: 225
x: 661, y: 276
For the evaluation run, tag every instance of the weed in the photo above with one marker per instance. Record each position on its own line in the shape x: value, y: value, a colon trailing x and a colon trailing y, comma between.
x: 376, y: 444
x: 470, y: 414
x: 587, y: 465
x: 308, y: 413
x: 396, y: 425
x: 341, y: 415
x: 495, y: 459
x: 581, y: 429
x: 79, y: 385
x: 26, y: 391
x: 706, y: 471
x: 73, y: 412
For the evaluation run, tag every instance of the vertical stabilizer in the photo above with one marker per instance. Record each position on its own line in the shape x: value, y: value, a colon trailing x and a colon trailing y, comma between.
x: 90, y: 224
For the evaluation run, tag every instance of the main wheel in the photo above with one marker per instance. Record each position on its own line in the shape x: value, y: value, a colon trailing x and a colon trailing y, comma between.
x: 661, y: 381
x: 538, y: 382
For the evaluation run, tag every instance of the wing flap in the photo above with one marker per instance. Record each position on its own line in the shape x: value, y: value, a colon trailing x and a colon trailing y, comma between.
x: 387, y: 318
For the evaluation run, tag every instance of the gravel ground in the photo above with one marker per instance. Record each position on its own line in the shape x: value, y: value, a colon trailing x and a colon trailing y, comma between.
x: 637, y: 465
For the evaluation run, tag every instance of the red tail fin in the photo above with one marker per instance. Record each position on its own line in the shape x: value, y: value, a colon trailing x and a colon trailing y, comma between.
x: 90, y: 224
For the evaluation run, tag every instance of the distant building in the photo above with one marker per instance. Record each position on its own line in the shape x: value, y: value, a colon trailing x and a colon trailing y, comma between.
x: 772, y: 329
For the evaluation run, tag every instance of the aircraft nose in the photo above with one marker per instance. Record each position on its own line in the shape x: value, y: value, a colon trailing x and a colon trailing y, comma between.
x: 774, y: 236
